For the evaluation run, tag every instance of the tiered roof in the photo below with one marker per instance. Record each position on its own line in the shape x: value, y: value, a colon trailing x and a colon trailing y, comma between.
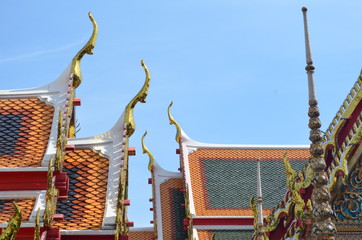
x: 78, y: 185
x: 82, y: 194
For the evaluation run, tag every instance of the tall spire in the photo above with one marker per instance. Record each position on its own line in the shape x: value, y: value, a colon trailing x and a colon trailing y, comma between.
x: 259, y: 202
x: 259, y: 195
x: 323, y: 227
x: 309, y: 67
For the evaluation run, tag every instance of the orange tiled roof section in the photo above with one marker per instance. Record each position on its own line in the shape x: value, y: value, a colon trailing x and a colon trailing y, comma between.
x: 7, y: 208
x: 88, y: 175
x: 198, y: 178
x: 140, y: 235
x: 168, y: 206
x: 25, y: 129
x: 204, y: 234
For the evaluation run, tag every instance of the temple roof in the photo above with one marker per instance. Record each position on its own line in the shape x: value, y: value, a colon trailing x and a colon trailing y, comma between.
x: 29, y: 123
x: 221, y: 178
x: 25, y: 125
x: 88, y: 175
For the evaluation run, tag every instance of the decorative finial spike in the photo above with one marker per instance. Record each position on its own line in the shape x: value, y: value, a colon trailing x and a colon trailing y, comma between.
x: 309, y: 67
x: 323, y: 227
x: 259, y: 194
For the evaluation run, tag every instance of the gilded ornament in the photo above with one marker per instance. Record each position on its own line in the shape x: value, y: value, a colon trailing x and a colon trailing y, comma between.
x: 151, y: 162
x: 173, y: 122
x: 255, y: 212
x: 51, y: 198
x: 37, y: 226
x: 9, y: 233
x: 87, y: 49
x: 259, y: 230
x: 140, y: 97
x: 296, y: 183
x: 61, y: 141
x: 342, y: 160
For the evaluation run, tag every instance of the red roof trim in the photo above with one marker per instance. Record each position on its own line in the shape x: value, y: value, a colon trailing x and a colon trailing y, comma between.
x: 21, y: 181
x: 223, y: 221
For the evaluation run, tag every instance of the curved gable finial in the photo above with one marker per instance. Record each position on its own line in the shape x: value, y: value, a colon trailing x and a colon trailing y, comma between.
x: 140, y: 97
x: 173, y: 122
x: 87, y: 49
x: 151, y: 162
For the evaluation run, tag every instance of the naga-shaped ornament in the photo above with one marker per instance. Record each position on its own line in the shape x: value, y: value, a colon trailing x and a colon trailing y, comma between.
x: 9, y: 233
x: 87, y: 49
x: 140, y: 97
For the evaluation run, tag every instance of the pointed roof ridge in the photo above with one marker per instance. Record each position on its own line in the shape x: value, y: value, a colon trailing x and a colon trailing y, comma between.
x: 185, y: 139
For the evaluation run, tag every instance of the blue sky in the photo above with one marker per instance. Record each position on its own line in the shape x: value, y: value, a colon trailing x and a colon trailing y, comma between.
x: 234, y: 68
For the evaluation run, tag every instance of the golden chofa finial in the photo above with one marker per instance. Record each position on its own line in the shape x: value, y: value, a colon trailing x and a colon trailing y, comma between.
x: 173, y: 122
x: 87, y: 49
x: 140, y: 97
x: 151, y: 162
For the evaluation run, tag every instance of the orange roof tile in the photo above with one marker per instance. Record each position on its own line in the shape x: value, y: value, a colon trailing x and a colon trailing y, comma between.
x: 25, y: 126
x: 222, y: 180
x: 224, y: 234
x: 204, y: 234
x: 172, y: 211
x: 7, y: 208
x: 88, y: 174
x: 140, y: 235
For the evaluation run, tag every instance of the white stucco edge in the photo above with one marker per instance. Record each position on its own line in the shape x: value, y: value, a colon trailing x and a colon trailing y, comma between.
x: 160, y: 176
